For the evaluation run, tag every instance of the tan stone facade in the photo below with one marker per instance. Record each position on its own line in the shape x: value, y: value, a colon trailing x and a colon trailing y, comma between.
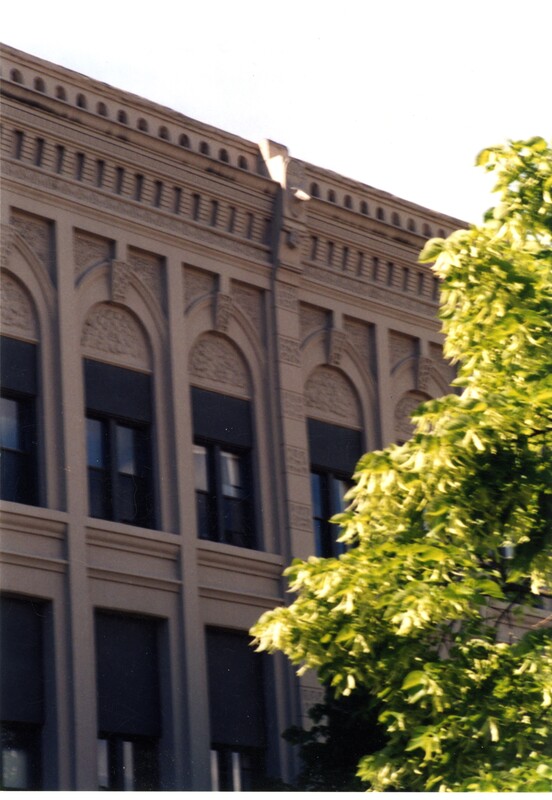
x: 137, y: 238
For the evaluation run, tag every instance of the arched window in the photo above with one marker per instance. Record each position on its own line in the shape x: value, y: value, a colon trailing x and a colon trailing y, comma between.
x: 61, y: 94
x: 380, y: 213
x: 184, y: 140
x: 16, y: 76
x: 331, y: 195
x: 396, y: 220
x: 81, y: 101
x: 314, y: 190
x: 411, y: 225
x: 39, y: 85
x: 101, y: 109
x: 348, y: 201
x: 427, y: 230
x: 223, y: 155
x: 242, y: 163
x: 364, y: 208
x: 442, y: 233
x: 164, y: 133
x: 204, y: 148
x: 122, y: 117
x: 142, y: 125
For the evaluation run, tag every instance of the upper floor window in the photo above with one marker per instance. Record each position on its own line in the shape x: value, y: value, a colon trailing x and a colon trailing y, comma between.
x: 222, y: 468
x: 334, y: 452
x: 18, y: 421
x: 118, y: 439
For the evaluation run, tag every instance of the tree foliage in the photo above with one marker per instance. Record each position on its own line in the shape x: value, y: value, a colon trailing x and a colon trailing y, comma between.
x: 451, y: 533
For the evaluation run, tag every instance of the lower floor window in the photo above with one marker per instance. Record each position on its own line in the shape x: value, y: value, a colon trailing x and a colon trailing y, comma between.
x: 236, y: 770
x: 20, y: 756
x: 127, y: 765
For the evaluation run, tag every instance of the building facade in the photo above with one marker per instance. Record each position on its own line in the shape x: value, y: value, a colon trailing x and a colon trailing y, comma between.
x: 200, y: 336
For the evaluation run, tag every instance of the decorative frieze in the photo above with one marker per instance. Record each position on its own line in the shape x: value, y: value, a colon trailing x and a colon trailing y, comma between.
x: 285, y: 296
x: 7, y: 238
x: 222, y: 311
x: 423, y: 373
x: 120, y: 279
x: 359, y: 333
x: 37, y: 233
x: 300, y: 516
x: 401, y: 346
x: 90, y: 251
x: 292, y: 405
x: 16, y: 309
x: 197, y: 283
x: 297, y: 460
x: 250, y: 301
x: 336, y: 343
x: 404, y: 408
x: 311, y: 319
x: 113, y: 332
x: 288, y: 351
x: 216, y: 361
x: 329, y: 396
x: 148, y: 268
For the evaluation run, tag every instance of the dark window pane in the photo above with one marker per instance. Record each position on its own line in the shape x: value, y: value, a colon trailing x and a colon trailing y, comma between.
x: 232, y: 475
x: 126, y: 450
x: 205, y: 516
x: 200, y: 468
x: 20, y: 756
x: 128, y: 501
x: 339, y: 489
x: 9, y: 424
x: 99, y: 494
x: 95, y: 443
x: 316, y: 489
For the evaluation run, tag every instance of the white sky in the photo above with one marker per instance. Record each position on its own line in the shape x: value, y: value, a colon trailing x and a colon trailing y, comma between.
x: 399, y: 94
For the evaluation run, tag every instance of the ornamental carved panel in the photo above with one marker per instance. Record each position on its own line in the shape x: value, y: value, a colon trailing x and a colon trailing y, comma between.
x: 114, y: 334
x: 214, y: 362
x: 292, y: 405
x: 401, y: 346
x: 197, y: 283
x: 404, y: 427
x: 288, y: 351
x: 149, y: 269
x: 297, y: 460
x: 286, y: 296
x: 37, y: 233
x: 90, y: 251
x: 222, y: 311
x: 250, y: 301
x: 329, y: 396
x: 300, y: 516
x: 336, y: 343
x: 311, y: 319
x: 16, y: 309
x: 423, y: 373
x: 360, y: 336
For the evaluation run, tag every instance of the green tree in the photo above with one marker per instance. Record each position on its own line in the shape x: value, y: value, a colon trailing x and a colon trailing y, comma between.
x: 450, y: 534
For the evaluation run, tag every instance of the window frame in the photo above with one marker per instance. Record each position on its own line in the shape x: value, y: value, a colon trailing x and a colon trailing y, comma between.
x: 19, y: 361
x: 334, y: 451
x: 326, y: 532
x: 223, y: 424
x: 216, y: 499
x: 119, y: 398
